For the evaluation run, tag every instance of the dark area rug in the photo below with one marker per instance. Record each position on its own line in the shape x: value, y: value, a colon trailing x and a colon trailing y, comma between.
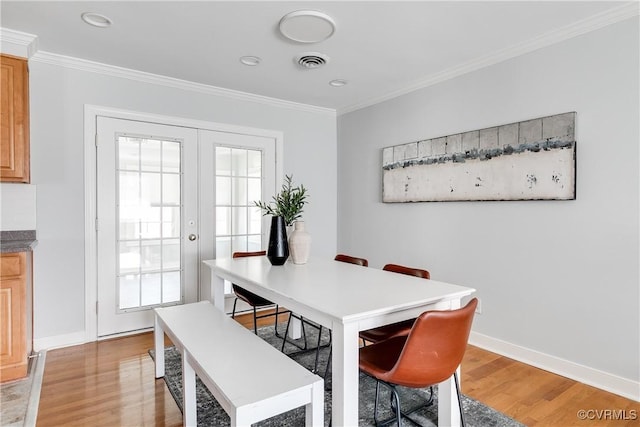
x: 212, y: 414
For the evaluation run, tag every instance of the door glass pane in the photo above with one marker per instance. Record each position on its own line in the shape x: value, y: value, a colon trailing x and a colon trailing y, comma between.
x: 223, y: 191
x: 254, y: 243
x: 254, y: 163
x: 223, y: 161
x: 150, y: 189
x: 223, y: 246
x: 150, y: 155
x: 129, y: 291
x: 238, y: 184
x: 239, y: 220
x: 239, y: 243
x: 223, y: 221
x: 171, y: 287
x: 151, y: 289
x: 129, y: 259
x: 151, y: 255
x: 171, y: 222
x: 171, y: 189
x: 239, y: 191
x: 238, y: 162
x: 129, y: 189
x: 171, y: 254
x: 149, y: 221
x: 129, y: 149
x: 254, y: 190
x: 170, y: 157
x: 255, y: 221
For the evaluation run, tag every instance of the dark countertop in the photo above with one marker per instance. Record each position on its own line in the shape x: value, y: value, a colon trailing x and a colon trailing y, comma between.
x: 17, y: 241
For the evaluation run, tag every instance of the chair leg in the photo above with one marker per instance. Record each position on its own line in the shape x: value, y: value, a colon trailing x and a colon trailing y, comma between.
x: 326, y: 370
x: 284, y: 337
x: 275, y: 325
x: 455, y: 377
x: 396, y: 397
x: 315, y: 364
x: 430, y: 401
x: 233, y: 313
x: 375, y: 405
x: 255, y: 321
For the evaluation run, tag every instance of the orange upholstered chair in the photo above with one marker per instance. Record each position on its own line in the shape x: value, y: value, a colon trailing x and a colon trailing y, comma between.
x: 429, y: 355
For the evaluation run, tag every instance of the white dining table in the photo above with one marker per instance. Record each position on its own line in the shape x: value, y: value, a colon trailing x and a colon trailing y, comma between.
x: 347, y: 299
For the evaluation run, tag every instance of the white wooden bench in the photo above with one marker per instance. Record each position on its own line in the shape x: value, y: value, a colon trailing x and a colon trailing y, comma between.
x: 248, y: 377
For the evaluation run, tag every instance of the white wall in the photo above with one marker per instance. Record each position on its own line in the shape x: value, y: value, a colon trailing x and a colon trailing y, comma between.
x: 556, y: 277
x: 17, y: 206
x: 58, y: 95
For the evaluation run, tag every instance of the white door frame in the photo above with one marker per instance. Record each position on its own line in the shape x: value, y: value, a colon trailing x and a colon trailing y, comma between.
x: 91, y: 112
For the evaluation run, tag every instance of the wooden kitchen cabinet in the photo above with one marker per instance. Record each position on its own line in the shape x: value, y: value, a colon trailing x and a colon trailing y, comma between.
x: 15, y: 315
x: 14, y: 142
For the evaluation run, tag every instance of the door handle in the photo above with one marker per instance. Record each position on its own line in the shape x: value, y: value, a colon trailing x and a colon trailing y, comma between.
x: 192, y: 237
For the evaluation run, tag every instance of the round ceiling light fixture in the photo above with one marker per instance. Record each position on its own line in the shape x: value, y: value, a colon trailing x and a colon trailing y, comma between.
x: 307, y: 26
x: 96, y: 19
x: 250, y: 61
x: 338, y: 82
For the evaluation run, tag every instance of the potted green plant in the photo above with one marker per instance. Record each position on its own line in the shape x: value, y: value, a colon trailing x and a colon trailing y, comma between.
x: 288, y: 203
x: 286, y: 209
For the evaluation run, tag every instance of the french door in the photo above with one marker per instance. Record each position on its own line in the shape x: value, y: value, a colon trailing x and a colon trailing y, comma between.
x: 147, y: 221
x: 243, y: 171
x: 169, y: 197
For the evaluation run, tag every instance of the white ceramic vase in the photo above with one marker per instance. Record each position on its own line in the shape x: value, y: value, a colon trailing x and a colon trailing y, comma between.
x: 299, y: 243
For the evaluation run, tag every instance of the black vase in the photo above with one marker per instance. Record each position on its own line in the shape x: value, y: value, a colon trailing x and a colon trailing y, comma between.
x: 278, y: 250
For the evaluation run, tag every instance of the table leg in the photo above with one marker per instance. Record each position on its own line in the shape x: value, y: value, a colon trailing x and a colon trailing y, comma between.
x: 158, y: 339
x: 235, y: 419
x: 448, y: 411
x: 295, y: 328
x: 217, y: 291
x: 345, y: 375
x: 189, y: 401
x: 314, y: 411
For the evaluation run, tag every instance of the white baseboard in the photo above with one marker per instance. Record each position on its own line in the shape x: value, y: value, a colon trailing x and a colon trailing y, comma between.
x: 59, y: 341
x: 584, y: 374
x: 603, y: 380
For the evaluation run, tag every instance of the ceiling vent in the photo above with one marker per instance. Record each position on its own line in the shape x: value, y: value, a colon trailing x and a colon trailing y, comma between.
x: 310, y: 60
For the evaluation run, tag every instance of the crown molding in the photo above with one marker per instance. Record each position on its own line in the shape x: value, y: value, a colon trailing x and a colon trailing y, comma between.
x: 595, y: 22
x: 144, y: 77
x: 18, y: 43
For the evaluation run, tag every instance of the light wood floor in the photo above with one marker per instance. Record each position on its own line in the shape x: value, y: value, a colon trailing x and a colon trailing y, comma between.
x: 111, y: 383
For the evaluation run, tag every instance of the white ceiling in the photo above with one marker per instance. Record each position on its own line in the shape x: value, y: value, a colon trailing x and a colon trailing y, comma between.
x: 382, y: 48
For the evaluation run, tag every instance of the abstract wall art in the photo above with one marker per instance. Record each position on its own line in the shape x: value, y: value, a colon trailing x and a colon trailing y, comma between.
x: 529, y: 160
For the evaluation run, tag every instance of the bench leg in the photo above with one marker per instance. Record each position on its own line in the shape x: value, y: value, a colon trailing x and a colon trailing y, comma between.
x: 190, y: 407
x: 158, y: 339
x: 314, y: 411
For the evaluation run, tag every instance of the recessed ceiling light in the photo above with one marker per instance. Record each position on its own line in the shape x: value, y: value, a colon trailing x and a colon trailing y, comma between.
x: 251, y: 61
x: 96, y: 19
x: 338, y: 82
x: 307, y: 26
